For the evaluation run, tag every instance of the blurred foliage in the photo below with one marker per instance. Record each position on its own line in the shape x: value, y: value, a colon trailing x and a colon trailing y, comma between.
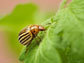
x: 21, y: 16
x: 63, y: 41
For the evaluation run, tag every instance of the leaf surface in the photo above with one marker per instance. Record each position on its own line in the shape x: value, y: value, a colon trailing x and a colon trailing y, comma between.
x: 63, y: 41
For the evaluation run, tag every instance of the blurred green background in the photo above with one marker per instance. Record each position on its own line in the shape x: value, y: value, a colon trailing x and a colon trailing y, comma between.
x: 14, y: 16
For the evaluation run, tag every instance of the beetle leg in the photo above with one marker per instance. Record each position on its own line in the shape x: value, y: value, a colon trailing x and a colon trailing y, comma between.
x: 27, y: 46
x: 38, y: 41
x: 39, y: 38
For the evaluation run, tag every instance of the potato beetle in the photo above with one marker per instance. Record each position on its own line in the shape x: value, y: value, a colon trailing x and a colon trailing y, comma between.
x: 29, y: 33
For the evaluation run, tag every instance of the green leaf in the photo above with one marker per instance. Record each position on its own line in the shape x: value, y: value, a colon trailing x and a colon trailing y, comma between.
x: 63, y: 41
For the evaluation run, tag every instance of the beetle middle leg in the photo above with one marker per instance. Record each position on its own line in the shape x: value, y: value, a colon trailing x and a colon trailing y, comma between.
x: 38, y: 41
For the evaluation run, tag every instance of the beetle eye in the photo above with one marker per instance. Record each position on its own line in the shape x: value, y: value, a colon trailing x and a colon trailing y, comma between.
x: 33, y: 31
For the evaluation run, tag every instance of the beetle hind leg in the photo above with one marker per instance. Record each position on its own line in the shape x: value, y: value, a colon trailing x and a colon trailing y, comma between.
x: 27, y: 46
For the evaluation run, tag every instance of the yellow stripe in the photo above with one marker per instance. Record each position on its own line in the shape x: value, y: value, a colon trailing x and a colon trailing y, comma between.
x: 23, y: 33
x: 25, y: 39
x: 29, y: 39
x: 23, y: 36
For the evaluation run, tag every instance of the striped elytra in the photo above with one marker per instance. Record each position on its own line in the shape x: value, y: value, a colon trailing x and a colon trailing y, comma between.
x: 29, y: 33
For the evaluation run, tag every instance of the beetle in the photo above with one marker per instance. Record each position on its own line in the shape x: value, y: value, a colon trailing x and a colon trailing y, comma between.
x: 29, y: 33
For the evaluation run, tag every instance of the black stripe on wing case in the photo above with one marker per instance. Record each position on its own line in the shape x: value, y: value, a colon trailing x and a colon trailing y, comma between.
x: 22, y: 35
x: 27, y: 43
x: 26, y: 40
